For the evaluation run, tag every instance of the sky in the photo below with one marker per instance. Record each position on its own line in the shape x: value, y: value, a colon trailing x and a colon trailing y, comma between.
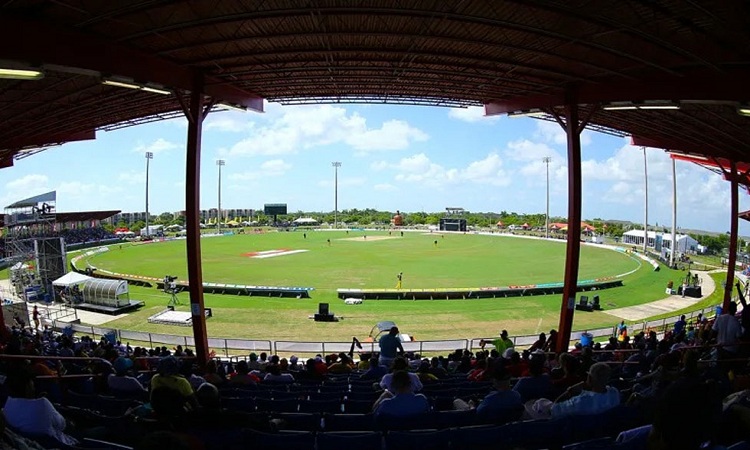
x: 394, y: 157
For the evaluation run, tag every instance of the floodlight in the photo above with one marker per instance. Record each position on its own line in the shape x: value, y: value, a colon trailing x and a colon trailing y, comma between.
x: 155, y: 90
x: 121, y: 84
x: 534, y: 112
x: 231, y: 107
x: 21, y: 74
x: 743, y: 110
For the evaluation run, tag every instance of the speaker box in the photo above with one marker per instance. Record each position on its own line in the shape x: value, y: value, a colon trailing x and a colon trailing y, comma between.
x: 325, y: 318
x: 597, y: 305
x: 323, y: 309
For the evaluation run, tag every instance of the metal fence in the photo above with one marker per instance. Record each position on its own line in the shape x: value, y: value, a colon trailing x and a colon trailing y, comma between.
x: 232, y: 346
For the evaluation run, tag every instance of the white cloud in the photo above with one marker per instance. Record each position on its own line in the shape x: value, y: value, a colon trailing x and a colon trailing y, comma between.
x: 275, y: 167
x: 344, y: 182
x: 471, y: 114
x: 160, y: 145
x: 132, y: 177
x: 24, y: 187
x: 294, y: 129
x: 552, y: 132
x: 226, y: 123
x: 420, y: 169
x: 379, y: 165
x: 384, y: 187
x: 270, y: 168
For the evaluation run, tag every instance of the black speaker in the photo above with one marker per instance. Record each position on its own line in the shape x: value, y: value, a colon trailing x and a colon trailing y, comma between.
x: 323, y: 309
x: 597, y: 306
x: 584, y: 300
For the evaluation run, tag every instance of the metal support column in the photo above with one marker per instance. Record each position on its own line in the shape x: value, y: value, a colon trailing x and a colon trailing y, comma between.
x: 195, y: 115
x: 573, y: 249
x: 732, y: 259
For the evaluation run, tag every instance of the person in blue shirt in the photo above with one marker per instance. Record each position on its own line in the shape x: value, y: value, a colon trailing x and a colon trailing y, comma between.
x: 538, y: 384
x: 501, y: 405
x: 375, y: 371
x: 679, y: 326
x: 390, y: 347
x: 403, y: 403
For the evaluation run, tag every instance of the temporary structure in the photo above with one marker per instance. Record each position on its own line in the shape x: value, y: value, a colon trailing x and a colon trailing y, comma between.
x: 70, y: 278
x: 113, y: 293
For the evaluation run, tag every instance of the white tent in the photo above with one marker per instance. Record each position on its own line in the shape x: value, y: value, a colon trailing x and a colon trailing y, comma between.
x: 70, y: 278
x: 306, y: 220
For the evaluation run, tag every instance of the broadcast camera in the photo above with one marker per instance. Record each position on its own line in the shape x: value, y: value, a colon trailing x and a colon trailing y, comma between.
x: 169, y: 284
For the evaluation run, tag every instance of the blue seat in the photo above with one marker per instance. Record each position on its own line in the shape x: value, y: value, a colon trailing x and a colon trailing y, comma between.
x: 358, y: 406
x: 332, y: 406
x: 593, y: 444
x: 244, y: 404
x: 419, y: 439
x: 453, y: 419
x: 743, y: 445
x: 283, y: 440
x: 418, y: 422
x: 286, y: 405
x: 349, y: 422
x: 299, y: 421
x: 540, y: 433
x: 480, y: 437
x: 369, y: 440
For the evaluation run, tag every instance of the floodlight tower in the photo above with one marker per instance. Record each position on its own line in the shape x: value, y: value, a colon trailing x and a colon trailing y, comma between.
x: 546, y: 161
x: 219, y: 163
x: 149, y: 157
x: 336, y: 165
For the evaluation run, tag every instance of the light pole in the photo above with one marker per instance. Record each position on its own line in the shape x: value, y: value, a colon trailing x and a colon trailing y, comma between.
x: 547, y: 160
x: 336, y: 166
x: 149, y: 157
x: 219, y: 163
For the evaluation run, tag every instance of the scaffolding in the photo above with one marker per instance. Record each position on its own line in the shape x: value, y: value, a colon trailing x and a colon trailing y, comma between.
x: 33, y: 246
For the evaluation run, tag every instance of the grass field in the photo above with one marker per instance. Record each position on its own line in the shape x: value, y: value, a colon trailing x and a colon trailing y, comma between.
x: 350, y: 261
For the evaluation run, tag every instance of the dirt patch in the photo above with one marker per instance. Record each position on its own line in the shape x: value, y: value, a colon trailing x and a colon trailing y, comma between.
x: 368, y: 238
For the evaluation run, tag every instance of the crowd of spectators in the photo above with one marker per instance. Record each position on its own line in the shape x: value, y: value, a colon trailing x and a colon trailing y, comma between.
x: 690, y: 386
x: 85, y: 235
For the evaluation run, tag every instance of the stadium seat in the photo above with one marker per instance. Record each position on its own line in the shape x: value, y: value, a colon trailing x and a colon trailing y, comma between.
x: 358, y: 406
x: 348, y: 422
x: 452, y: 419
x: 484, y: 437
x: 287, y: 405
x: 744, y: 445
x: 282, y: 440
x: 418, y: 439
x: 593, y: 444
x: 243, y: 404
x: 299, y: 421
x: 421, y: 421
x: 548, y: 433
x: 333, y: 406
x: 370, y: 440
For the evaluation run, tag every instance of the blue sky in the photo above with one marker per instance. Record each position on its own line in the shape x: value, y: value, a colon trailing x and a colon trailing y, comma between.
x: 393, y: 157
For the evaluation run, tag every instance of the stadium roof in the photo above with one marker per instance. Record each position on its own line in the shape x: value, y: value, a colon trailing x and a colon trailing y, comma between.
x: 84, y: 216
x: 508, y: 55
x: 34, y: 201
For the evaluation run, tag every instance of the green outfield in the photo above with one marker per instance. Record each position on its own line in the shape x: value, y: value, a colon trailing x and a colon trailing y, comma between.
x: 351, y: 261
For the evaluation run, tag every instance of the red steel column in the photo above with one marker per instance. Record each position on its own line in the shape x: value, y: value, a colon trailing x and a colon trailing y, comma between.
x: 573, y: 248
x: 732, y: 260
x: 192, y: 219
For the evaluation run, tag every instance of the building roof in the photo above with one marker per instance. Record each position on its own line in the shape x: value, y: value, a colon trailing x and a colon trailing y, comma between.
x: 84, y: 216
x: 506, y: 55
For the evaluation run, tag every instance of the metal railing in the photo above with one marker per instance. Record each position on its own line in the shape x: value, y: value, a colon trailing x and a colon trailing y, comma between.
x: 232, y: 346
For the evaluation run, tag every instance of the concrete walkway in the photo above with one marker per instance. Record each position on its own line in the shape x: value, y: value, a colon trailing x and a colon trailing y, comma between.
x: 669, y: 304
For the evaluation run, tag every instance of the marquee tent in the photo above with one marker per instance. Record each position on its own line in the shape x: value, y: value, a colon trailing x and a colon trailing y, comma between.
x: 70, y: 278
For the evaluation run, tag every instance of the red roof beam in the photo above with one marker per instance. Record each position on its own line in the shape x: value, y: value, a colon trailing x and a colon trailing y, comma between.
x: 39, y: 42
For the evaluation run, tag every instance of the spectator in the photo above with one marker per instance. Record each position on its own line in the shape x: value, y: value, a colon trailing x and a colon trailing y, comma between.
x: 211, y: 374
x: 30, y: 415
x: 537, y: 384
x: 728, y: 332
x: 375, y: 372
x: 540, y: 343
x: 121, y: 381
x: 501, y: 344
x: 343, y: 365
x: 168, y: 378
x: 399, y: 364
x: 401, y: 402
x: 437, y: 369
x: 502, y: 404
x: 390, y: 347
x: 679, y: 326
x: 424, y: 373
x: 274, y: 375
x: 591, y: 397
x: 293, y: 365
x: 242, y: 376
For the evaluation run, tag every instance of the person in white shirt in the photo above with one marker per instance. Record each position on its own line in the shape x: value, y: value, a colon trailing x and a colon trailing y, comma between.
x: 121, y: 381
x: 590, y: 397
x: 33, y: 416
x: 401, y: 364
x: 728, y: 331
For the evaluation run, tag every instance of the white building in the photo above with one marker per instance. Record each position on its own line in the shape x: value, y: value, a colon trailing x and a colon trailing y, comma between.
x: 685, y: 243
